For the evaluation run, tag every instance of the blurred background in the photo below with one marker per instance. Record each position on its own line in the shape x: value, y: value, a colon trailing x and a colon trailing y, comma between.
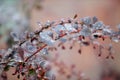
x: 22, y: 15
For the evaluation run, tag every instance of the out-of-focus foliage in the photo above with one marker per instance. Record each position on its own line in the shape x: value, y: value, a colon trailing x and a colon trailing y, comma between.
x: 11, y: 19
x: 14, y: 16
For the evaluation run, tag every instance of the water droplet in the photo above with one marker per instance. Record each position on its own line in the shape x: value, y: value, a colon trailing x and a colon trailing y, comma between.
x: 86, y: 20
x: 98, y: 25
x: 69, y: 27
x: 45, y: 37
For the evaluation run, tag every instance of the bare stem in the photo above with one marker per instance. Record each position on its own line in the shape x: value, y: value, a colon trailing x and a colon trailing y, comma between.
x: 35, y: 52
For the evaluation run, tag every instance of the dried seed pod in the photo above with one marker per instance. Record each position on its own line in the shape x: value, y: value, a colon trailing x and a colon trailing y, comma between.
x: 79, y: 51
x: 63, y: 47
x: 70, y: 47
x: 75, y: 16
